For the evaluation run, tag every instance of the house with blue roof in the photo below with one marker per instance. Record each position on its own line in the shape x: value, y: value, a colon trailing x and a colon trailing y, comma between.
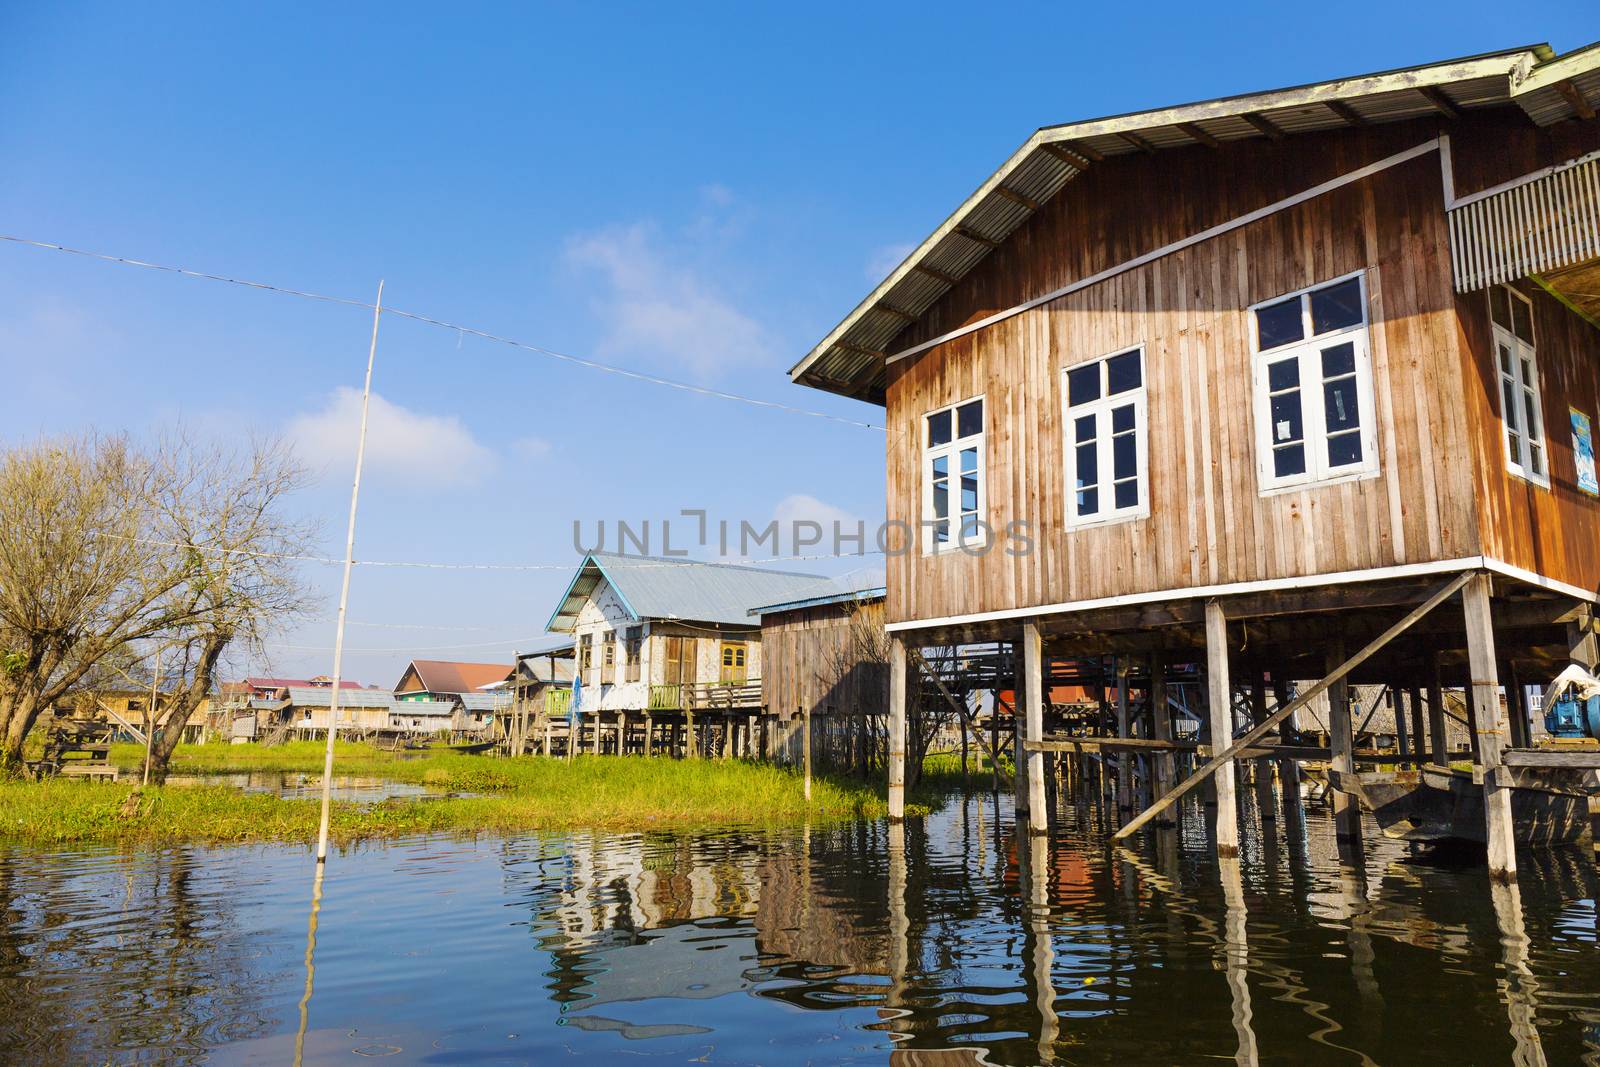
x: 659, y: 641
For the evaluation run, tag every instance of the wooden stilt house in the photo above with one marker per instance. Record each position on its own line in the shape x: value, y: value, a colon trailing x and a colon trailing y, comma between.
x: 1261, y: 384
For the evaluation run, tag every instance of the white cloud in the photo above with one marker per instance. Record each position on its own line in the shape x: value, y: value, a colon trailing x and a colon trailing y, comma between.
x: 886, y: 259
x: 797, y: 509
x: 657, y: 305
x: 531, y: 449
x: 426, y: 451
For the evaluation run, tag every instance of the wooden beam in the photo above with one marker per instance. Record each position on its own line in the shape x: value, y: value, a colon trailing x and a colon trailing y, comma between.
x: 897, y: 728
x: 1574, y: 96
x: 1440, y: 102
x: 1017, y: 198
x: 1033, y: 726
x: 1445, y: 592
x: 1262, y: 125
x: 1067, y: 156
x: 1200, y: 135
x: 858, y: 350
x: 1219, y: 701
x: 1345, y: 111
x: 890, y: 309
x: 1138, y: 142
x: 976, y: 237
x: 1083, y: 149
x: 1490, y: 725
x: 936, y: 275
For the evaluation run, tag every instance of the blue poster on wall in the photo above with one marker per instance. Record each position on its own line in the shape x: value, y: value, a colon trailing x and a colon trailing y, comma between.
x: 1583, y: 452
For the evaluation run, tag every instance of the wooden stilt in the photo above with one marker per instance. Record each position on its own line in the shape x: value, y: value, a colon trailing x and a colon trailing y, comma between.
x: 1265, y: 808
x: 1220, y: 691
x: 1161, y: 725
x: 1491, y: 727
x: 1341, y: 740
x: 1124, y: 759
x: 1288, y: 766
x: 1419, y: 734
x: 691, y: 741
x: 805, y: 748
x: 1032, y: 720
x: 1438, y: 739
x: 1402, y: 733
x: 897, y: 729
x: 1583, y: 643
x: 649, y: 734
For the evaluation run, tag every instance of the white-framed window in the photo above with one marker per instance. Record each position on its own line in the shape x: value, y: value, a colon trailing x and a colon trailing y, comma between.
x: 1521, y: 409
x: 1106, y: 450
x: 953, y: 493
x: 1313, y: 386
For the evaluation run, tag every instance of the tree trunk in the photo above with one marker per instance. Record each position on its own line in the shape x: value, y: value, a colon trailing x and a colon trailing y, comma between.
x: 170, y: 732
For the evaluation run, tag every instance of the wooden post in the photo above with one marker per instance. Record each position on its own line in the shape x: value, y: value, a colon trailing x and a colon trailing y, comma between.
x: 1438, y: 739
x: 1583, y: 644
x: 806, y: 752
x: 1161, y: 724
x: 691, y: 747
x: 1419, y: 750
x: 994, y: 745
x: 897, y: 729
x: 1288, y: 766
x: 1341, y: 740
x: 1124, y: 757
x: 1397, y: 701
x: 597, y: 730
x: 1491, y: 727
x: 1219, y: 688
x: 1032, y: 727
x: 649, y: 734
x: 1263, y: 768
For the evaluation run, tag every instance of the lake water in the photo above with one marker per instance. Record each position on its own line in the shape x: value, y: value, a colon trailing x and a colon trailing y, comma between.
x: 853, y: 943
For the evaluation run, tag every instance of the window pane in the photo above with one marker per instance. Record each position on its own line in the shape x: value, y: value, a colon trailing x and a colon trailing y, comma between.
x: 1536, y: 458
x: 1127, y: 494
x: 1291, y: 459
x: 1283, y: 375
x: 1088, y: 465
x: 1508, y: 408
x: 1344, y: 449
x: 1083, y: 428
x: 969, y: 492
x: 1122, y: 419
x: 1123, y: 373
x: 1505, y: 360
x: 1083, y: 384
x: 969, y: 419
x: 1339, y: 403
x: 1088, y: 501
x: 1340, y: 359
x: 1279, y: 324
x: 941, y: 466
x: 1521, y: 322
x: 1499, y: 310
x: 1531, y: 427
x: 1514, y: 445
x: 969, y: 461
x: 941, y: 531
x: 1123, y: 452
x: 941, y: 499
x: 969, y: 528
x: 1336, y: 307
x: 939, y: 428
x: 1286, y: 425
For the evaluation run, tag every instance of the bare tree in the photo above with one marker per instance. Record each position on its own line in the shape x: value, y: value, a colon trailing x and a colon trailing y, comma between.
x: 105, y: 551
x: 79, y: 578
x: 225, y: 508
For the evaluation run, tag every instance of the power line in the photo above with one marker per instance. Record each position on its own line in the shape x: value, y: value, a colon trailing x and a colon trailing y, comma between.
x: 458, y: 328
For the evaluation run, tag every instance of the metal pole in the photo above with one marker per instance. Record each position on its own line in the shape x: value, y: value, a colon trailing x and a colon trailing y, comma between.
x: 344, y: 591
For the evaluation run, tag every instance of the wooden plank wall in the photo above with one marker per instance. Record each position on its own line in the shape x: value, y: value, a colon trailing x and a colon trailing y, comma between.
x: 1556, y: 531
x: 1208, y: 522
x: 811, y: 662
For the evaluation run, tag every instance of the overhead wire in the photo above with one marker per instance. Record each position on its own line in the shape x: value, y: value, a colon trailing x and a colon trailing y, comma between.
x: 459, y: 329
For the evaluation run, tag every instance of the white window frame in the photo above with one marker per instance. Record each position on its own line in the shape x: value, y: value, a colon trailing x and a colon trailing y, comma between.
x: 1313, y: 417
x: 1524, y: 357
x: 952, y: 450
x: 1101, y: 410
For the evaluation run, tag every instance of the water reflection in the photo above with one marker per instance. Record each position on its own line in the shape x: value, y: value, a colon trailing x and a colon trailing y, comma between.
x: 946, y: 940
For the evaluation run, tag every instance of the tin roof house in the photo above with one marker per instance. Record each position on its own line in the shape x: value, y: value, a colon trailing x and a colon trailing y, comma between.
x: 1249, y: 383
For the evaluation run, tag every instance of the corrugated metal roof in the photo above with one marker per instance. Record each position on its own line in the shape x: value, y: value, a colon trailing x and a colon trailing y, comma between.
x: 690, y: 590
x: 319, y: 697
x: 433, y: 708
x: 847, y: 596
x: 852, y: 359
x: 485, y: 701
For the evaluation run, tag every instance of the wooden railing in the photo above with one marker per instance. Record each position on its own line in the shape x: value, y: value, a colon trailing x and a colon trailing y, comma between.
x: 557, y: 703
x: 705, y: 696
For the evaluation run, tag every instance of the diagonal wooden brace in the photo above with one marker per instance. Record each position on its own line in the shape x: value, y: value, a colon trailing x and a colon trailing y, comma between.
x: 1255, y: 734
x: 960, y: 708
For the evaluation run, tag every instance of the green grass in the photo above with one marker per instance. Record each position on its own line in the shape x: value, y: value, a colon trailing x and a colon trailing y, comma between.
x: 529, y: 793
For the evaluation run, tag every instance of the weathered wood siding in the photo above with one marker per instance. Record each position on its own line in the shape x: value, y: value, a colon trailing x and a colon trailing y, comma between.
x: 1556, y: 531
x: 1208, y: 522
x: 812, y: 662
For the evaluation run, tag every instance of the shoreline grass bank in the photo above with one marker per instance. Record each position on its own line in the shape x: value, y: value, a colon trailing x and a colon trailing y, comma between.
x: 509, y: 795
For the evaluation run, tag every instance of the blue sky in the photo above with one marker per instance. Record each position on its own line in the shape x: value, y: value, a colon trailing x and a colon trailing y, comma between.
x: 695, y: 191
